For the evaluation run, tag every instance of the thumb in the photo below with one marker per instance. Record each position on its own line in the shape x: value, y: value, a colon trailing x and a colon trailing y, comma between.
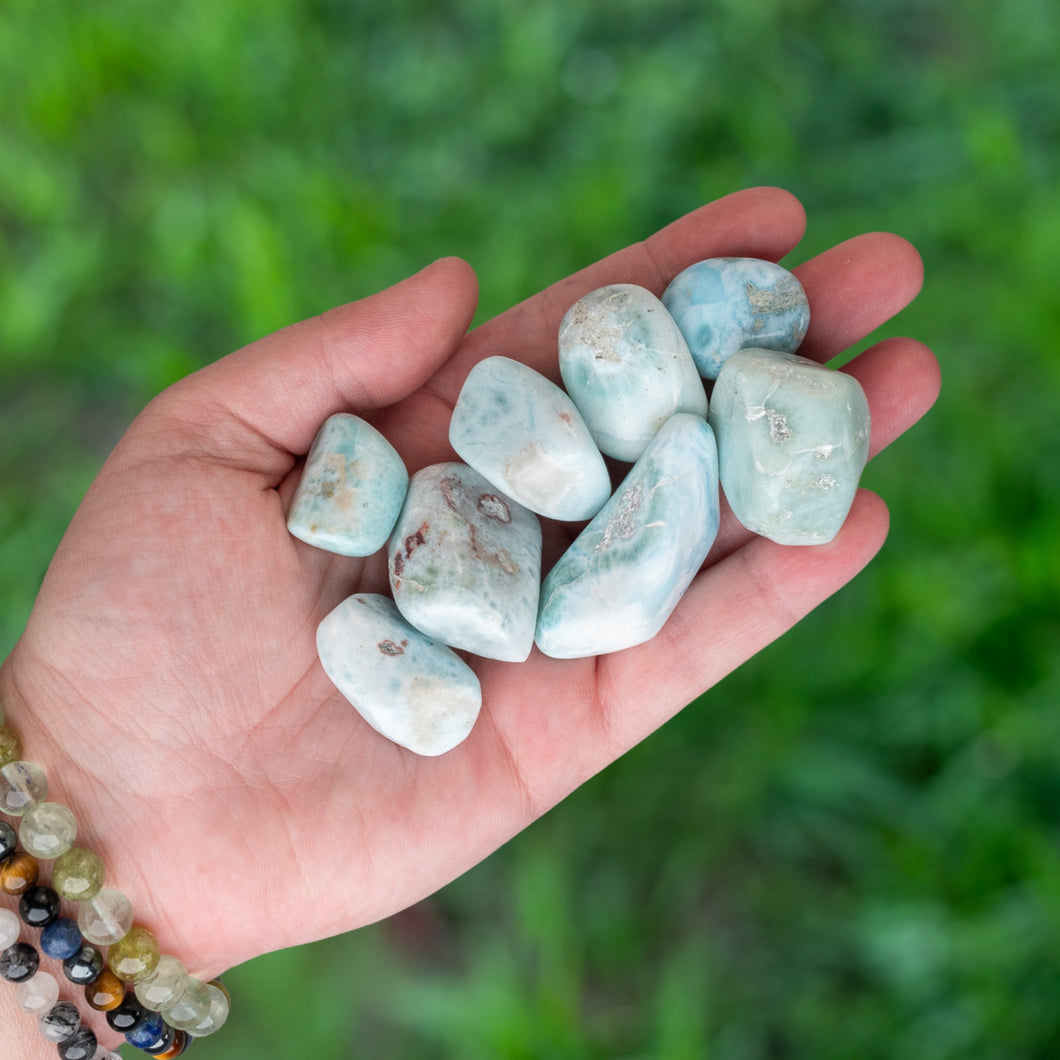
x: 357, y: 357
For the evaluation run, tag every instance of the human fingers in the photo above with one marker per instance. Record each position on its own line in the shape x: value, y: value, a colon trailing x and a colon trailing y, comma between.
x: 258, y: 406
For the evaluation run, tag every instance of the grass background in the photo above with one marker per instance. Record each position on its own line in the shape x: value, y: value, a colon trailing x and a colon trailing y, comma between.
x: 851, y: 847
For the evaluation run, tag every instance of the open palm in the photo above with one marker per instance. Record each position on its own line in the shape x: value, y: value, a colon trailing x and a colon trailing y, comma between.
x: 168, y: 680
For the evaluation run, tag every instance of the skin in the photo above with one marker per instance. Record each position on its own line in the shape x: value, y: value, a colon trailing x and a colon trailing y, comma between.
x: 167, y: 680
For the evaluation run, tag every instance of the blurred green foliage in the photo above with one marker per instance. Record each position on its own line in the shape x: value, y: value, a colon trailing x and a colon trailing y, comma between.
x: 850, y: 848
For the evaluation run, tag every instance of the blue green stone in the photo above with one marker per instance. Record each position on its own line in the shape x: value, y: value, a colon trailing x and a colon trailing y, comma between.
x: 722, y: 305
x: 351, y: 489
x: 622, y: 577
x: 793, y: 439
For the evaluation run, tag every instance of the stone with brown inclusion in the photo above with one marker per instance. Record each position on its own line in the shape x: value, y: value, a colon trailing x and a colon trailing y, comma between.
x: 18, y: 873
x: 465, y: 563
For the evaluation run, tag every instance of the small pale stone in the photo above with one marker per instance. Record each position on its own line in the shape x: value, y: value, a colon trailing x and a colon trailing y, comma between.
x: 722, y: 305
x: 465, y: 563
x: 134, y: 956
x: 10, y: 928
x: 38, y: 994
x: 165, y: 986
x: 627, y: 367
x: 22, y: 785
x: 412, y: 689
x: 621, y: 579
x: 526, y: 436
x: 105, y: 918
x: 192, y: 1008
x: 351, y: 489
x: 793, y: 439
x: 47, y: 830
x: 214, y: 1020
x: 78, y: 874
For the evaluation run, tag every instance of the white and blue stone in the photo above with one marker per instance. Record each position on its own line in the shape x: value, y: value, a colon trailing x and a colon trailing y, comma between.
x: 351, y: 489
x: 627, y: 367
x: 465, y: 563
x: 622, y: 577
x: 525, y: 435
x: 793, y: 440
x: 722, y: 305
x: 410, y: 688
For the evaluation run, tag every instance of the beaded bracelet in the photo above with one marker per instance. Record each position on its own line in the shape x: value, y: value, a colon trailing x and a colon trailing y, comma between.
x: 165, y: 1009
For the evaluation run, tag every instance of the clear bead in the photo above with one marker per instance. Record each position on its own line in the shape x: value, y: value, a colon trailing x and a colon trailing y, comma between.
x: 59, y: 1022
x: 10, y: 928
x: 38, y: 994
x: 106, y: 918
x: 47, y: 830
x: 192, y: 1008
x: 166, y: 987
x: 78, y: 874
x: 215, y: 1018
x: 22, y: 785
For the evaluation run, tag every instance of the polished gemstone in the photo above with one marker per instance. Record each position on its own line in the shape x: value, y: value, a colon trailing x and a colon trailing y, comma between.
x: 622, y: 577
x: 18, y: 873
x: 82, y: 1045
x: 39, y: 906
x: 78, y: 874
x: 220, y: 1005
x: 465, y: 563
x: 22, y: 785
x: 106, y: 992
x: 192, y: 1008
x: 135, y: 955
x: 10, y: 746
x: 525, y: 435
x: 61, y: 939
x: 722, y: 305
x: 19, y: 962
x: 627, y: 366
x: 10, y: 928
x: 105, y: 918
x: 165, y: 986
x: 38, y: 993
x: 8, y: 840
x: 127, y: 1015
x: 412, y: 689
x: 793, y: 439
x: 60, y: 1021
x: 85, y: 966
x: 351, y: 489
x: 148, y: 1031
x: 47, y: 830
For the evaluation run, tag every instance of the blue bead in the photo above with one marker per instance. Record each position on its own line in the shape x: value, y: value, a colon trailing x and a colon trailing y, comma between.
x: 61, y: 939
x: 148, y: 1032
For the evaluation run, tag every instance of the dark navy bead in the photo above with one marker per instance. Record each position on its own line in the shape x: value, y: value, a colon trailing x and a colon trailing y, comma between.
x: 61, y: 939
x: 85, y: 966
x: 18, y: 962
x: 128, y: 1015
x: 60, y: 1022
x: 164, y: 1042
x: 147, y: 1034
x: 39, y: 906
x: 8, y: 840
x: 82, y: 1046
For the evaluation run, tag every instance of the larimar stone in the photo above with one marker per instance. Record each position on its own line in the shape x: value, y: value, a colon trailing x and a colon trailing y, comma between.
x: 622, y: 577
x: 412, y: 689
x: 722, y: 305
x: 525, y: 435
x: 465, y: 563
x: 627, y: 367
x: 351, y: 489
x: 793, y: 439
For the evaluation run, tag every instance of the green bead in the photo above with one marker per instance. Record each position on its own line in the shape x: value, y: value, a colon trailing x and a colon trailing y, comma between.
x: 78, y: 874
x: 192, y: 1009
x: 135, y: 956
x: 10, y: 746
x: 162, y: 989
x: 47, y: 830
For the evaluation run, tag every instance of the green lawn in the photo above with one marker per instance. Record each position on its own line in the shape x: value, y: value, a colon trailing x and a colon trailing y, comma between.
x: 850, y: 848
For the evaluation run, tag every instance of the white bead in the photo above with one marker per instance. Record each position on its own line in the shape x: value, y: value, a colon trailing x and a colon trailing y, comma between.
x: 10, y: 928
x: 38, y: 994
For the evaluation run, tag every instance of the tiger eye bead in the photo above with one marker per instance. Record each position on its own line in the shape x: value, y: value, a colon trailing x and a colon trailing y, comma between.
x: 47, y: 830
x: 78, y: 874
x: 19, y: 873
x: 10, y: 746
x: 106, y: 993
x: 22, y: 785
x: 134, y: 956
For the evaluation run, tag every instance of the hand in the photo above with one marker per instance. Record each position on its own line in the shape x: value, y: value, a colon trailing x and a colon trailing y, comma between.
x: 167, y: 680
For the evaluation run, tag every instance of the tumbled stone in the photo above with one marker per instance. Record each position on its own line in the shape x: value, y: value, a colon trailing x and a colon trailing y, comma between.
x: 465, y: 563
x: 412, y: 689
x: 525, y: 435
x: 722, y: 305
x: 351, y: 489
x: 793, y: 439
x: 622, y: 577
x: 626, y: 365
